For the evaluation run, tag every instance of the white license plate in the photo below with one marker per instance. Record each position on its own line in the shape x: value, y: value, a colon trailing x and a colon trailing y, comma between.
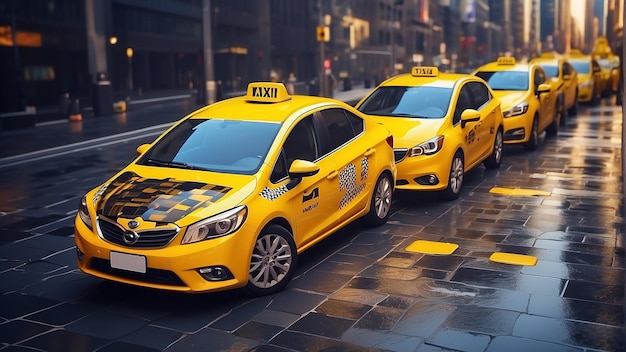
x: 129, y: 262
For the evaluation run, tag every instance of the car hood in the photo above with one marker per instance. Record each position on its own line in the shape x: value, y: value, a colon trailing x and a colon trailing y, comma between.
x: 149, y: 196
x: 510, y: 98
x: 408, y: 132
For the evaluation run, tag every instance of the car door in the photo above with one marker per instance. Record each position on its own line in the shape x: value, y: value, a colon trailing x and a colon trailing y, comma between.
x: 470, y: 132
x: 570, y: 81
x: 312, y: 200
x: 485, y: 129
x: 352, y: 153
x: 546, y: 100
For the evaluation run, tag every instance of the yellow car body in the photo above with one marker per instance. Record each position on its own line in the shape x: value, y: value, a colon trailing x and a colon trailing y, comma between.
x: 529, y: 101
x: 609, y: 62
x: 590, y: 82
x: 230, y: 194
x: 443, y: 125
x: 564, y: 77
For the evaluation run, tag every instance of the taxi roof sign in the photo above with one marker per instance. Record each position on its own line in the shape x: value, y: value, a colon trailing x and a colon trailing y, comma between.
x: 506, y: 60
x: 267, y: 92
x: 425, y: 71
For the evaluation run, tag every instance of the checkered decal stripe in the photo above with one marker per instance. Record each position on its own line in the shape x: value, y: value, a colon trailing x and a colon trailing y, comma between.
x: 348, y: 183
x: 166, y: 200
x: 272, y: 194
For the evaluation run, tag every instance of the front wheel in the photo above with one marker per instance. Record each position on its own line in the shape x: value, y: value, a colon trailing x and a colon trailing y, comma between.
x: 273, y: 261
x: 573, y: 110
x: 455, y: 178
x: 533, y: 141
x: 495, y: 159
x: 553, y: 129
x: 380, y: 204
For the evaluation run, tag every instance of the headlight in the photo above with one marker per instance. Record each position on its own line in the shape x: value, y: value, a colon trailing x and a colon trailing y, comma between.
x: 429, y: 147
x: 83, y: 213
x: 216, y: 226
x: 518, y: 109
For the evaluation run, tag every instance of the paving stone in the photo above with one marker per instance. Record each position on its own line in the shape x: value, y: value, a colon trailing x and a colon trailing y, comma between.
x: 323, y: 325
x: 459, y: 340
x: 15, y: 331
x: 63, y: 340
x: 208, y: 340
x: 15, y: 305
x: 152, y: 337
x: 304, y: 342
x: 106, y: 325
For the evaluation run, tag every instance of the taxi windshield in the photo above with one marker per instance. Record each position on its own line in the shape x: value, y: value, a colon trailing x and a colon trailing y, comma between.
x: 580, y: 66
x: 605, y: 63
x: 416, y: 102
x: 505, y: 80
x: 227, y: 146
x: 551, y: 70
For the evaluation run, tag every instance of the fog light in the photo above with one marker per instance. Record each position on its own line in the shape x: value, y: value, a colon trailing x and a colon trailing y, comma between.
x: 427, y: 180
x: 215, y: 273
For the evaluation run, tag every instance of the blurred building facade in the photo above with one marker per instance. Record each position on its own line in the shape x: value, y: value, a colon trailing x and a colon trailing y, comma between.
x: 48, y: 47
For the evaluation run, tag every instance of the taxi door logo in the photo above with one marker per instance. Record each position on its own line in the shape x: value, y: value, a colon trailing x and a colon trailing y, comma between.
x: 348, y: 182
x: 313, y: 195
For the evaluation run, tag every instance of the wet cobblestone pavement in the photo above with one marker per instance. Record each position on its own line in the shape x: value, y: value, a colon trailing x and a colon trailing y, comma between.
x: 359, y: 290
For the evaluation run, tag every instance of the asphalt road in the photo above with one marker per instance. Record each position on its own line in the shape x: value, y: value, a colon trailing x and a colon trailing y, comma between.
x: 360, y: 289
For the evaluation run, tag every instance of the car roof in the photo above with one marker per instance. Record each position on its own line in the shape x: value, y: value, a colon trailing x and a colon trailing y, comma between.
x: 442, y: 80
x: 267, y: 110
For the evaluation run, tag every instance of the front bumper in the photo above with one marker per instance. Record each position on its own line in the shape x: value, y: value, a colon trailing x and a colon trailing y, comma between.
x: 517, y: 128
x: 423, y: 173
x: 175, y: 267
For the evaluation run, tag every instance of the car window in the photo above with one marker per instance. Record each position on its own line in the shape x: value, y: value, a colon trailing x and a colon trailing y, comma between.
x: 229, y: 146
x: 480, y: 94
x: 341, y: 126
x: 581, y: 66
x: 463, y: 103
x: 301, y: 143
x: 551, y: 70
x: 401, y: 101
x: 505, y: 80
x: 540, y: 77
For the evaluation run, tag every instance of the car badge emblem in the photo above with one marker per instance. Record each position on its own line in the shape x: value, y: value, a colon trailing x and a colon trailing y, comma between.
x: 133, y: 224
x: 131, y: 237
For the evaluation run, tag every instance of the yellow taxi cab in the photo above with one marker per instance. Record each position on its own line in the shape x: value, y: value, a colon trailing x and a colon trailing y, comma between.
x: 590, y: 84
x: 565, y: 78
x: 609, y: 62
x: 528, y: 99
x: 232, y: 193
x: 443, y: 125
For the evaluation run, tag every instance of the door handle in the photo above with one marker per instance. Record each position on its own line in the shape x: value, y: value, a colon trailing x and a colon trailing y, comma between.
x: 332, y: 175
x: 370, y: 151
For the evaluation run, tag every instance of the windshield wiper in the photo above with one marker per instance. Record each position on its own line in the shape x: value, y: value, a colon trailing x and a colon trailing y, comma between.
x: 404, y: 114
x: 177, y: 164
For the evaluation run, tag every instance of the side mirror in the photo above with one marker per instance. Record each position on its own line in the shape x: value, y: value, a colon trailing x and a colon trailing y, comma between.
x: 300, y: 169
x: 142, y: 148
x: 543, y: 88
x: 469, y: 115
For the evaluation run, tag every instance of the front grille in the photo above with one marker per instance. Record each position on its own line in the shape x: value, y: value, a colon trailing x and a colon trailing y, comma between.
x: 156, y: 238
x: 152, y: 276
x: 399, y: 154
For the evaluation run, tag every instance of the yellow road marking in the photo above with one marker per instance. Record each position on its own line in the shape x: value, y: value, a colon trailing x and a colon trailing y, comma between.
x: 519, y: 192
x: 515, y: 259
x: 430, y: 247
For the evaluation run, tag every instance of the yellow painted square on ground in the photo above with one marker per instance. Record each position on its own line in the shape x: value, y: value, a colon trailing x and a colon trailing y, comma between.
x: 431, y: 247
x: 515, y: 259
x: 519, y: 192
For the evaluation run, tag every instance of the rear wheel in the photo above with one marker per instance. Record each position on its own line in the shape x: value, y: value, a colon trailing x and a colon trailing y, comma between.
x: 380, y: 204
x: 495, y: 159
x: 455, y: 178
x: 273, y: 261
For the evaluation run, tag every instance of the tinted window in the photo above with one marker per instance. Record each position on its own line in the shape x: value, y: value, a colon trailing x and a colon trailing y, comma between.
x: 301, y: 143
x: 480, y: 94
x: 581, y: 66
x: 551, y: 70
x: 341, y: 127
x: 463, y: 103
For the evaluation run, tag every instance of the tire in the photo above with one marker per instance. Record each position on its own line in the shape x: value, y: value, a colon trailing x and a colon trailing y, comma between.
x: 455, y: 177
x: 495, y: 159
x: 573, y: 110
x: 553, y: 129
x: 272, y: 263
x: 533, y: 141
x: 380, y: 204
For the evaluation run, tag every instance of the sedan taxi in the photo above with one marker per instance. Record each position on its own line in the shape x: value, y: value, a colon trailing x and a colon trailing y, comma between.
x: 609, y: 63
x: 528, y: 99
x: 443, y: 125
x: 562, y: 75
x: 232, y: 193
x: 590, y: 83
